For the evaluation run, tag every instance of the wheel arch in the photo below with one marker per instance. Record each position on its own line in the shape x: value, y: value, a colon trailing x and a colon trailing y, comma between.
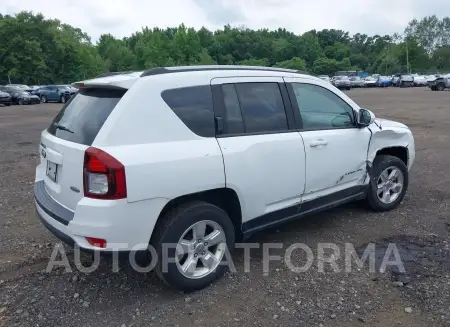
x: 224, y: 198
x: 400, y: 152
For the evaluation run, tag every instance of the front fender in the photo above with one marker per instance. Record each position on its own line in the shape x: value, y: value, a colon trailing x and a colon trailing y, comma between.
x: 389, y: 137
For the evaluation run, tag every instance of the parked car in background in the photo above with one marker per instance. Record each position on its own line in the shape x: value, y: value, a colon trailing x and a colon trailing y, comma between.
x: 69, y: 88
x: 395, y: 79
x: 440, y: 83
x: 430, y: 79
x: 54, y: 93
x: 370, y: 82
x: 341, y: 82
x: 384, y: 81
x: 325, y: 78
x: 24, y: 87
x: 356, y: 81
x: 5, y: 98
x: 19, y: 95
x: 405, y: 81
x: 420, y: 80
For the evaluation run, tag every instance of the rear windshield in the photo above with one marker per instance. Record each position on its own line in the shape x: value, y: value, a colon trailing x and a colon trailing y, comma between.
x: 83, y: 116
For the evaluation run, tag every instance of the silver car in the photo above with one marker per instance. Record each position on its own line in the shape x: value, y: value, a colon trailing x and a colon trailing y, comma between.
x: 356, y: 81
x: 341, y: 82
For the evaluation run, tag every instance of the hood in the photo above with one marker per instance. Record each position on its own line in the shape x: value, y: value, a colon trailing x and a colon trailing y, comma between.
x: 386, y: 123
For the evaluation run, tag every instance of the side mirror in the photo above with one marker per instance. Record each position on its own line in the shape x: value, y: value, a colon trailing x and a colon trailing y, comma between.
x: 365, y: 117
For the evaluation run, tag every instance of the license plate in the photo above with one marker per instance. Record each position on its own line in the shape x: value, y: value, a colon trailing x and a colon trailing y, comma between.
x: 52, y: 170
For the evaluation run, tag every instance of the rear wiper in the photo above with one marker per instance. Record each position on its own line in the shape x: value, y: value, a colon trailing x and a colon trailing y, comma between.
x: 63, y: 128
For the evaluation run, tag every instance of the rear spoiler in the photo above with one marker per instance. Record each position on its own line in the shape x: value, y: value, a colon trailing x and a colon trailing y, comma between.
x: 117, y: 80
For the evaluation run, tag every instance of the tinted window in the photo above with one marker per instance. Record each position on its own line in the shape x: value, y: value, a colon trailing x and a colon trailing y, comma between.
x: 262, y: 107
x: 194, y: 106
x: 235, y: 124
x: 321, y: 108
x: 83, y: 116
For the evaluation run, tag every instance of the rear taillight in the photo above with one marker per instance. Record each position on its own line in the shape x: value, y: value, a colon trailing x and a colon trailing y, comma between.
x: 104, y: 176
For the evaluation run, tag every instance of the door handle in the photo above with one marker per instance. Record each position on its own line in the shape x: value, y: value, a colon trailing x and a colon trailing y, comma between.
x: 317, y: 143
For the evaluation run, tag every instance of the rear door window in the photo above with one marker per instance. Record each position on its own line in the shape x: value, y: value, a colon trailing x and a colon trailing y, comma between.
x: 235, y: 123
x: 194, y: 106
x: 262, y: 107
x: 83, y: 116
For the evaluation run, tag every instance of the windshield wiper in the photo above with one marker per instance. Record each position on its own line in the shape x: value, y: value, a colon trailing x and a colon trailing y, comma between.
x: 63, y: 128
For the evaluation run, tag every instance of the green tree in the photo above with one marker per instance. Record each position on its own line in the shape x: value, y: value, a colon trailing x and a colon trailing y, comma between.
x: 430, y: 32
x: 294, y: 63
x: 34, y: 49
x: 254, y: 62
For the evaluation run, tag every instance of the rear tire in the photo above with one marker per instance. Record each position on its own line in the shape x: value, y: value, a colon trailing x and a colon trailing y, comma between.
x: 379, y: 186
x: 43, y: 99
x: 21, y: 102
x: 172, y: 230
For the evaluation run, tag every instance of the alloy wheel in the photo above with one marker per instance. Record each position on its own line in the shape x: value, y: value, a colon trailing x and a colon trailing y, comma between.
x: 390, y: 185
x: 200, y: 249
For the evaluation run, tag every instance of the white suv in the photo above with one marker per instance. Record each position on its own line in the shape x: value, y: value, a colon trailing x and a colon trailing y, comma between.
x: 202, y: 156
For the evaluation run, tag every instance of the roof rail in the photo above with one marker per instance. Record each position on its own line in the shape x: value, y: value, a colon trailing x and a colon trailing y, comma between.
x: 179, y: 69
x: 106, y: 74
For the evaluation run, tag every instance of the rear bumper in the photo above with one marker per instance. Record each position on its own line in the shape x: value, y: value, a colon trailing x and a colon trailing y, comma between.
x: 58, y: 233
x: 125, y: 226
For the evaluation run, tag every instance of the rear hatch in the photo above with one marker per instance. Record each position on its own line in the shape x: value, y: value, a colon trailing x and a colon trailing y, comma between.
x: 64, y: 143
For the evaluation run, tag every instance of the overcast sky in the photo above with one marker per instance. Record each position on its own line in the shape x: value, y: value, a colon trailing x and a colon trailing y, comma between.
x: 123, y: 17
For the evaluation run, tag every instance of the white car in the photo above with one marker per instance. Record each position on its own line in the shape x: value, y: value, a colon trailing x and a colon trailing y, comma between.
x: 420, y: 80
x: 370, y: 82
x: 430, y: 78
x: 200, y: 157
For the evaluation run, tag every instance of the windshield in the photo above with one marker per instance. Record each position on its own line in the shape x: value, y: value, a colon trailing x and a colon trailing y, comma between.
x: 357, y: 78
x: 83, y: 116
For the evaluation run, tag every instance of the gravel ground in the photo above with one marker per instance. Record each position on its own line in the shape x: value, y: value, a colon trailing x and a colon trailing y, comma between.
x: 420, y: 228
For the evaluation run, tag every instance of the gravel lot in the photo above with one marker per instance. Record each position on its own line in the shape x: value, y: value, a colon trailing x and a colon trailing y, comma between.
x: 420, y: 227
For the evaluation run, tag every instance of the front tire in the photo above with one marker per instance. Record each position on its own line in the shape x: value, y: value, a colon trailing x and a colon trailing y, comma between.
x: 388, y: 183
x: 202, y: 232
x: 440, y: 87
x: 63, y: 99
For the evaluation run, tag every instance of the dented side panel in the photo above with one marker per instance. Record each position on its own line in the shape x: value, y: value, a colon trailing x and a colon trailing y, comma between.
x: 338, y: 164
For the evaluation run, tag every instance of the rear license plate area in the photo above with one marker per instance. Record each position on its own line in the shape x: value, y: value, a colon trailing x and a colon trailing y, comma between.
x: 52, y: 170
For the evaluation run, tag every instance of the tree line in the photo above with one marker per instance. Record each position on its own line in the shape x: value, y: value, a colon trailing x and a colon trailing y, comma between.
x: 36, y: 50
